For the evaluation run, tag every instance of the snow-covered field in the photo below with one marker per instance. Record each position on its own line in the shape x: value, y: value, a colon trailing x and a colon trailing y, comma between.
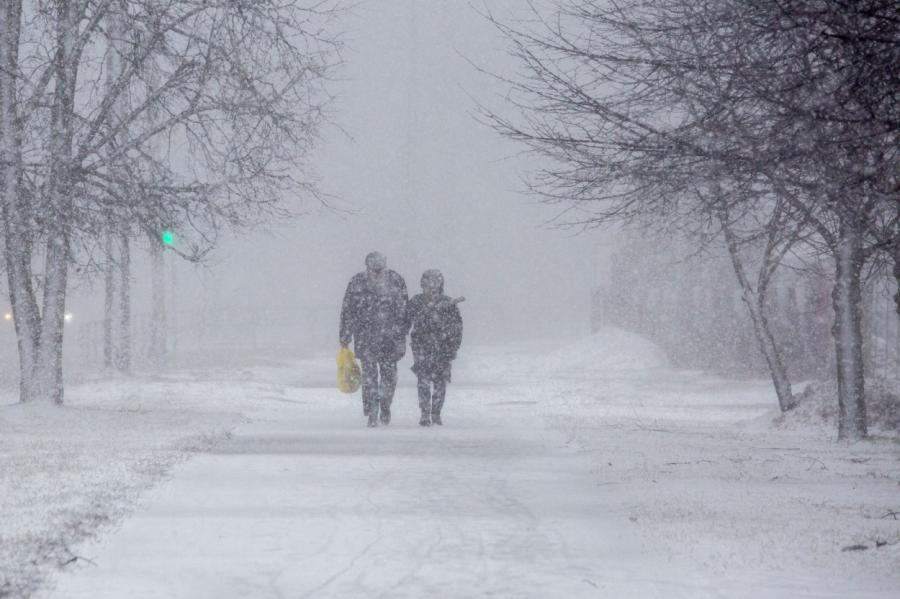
x: 591, y: 470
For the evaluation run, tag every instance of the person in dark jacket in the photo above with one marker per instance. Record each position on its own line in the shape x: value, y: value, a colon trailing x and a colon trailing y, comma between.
x: 373, y: 317
x: 436, y: 334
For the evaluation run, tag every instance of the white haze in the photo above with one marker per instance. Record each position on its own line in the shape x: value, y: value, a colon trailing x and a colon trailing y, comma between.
x: 411, y: 172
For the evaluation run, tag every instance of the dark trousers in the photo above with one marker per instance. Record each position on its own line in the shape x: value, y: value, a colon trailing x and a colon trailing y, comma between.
x: 432, y: 400
x: 379, y: 379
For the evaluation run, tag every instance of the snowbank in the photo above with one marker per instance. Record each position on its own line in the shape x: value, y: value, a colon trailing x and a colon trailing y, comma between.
x: 69, y: 472
x: 817, y: 408
x: 609, y: 349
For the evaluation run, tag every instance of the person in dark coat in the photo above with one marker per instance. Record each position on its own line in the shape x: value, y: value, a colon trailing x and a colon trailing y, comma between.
x: 435, y: 337
x: 373, y: 317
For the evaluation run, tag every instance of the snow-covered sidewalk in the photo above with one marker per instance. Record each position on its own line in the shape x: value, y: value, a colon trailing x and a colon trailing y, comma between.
x: 308, y: 502
x: 549, y: 479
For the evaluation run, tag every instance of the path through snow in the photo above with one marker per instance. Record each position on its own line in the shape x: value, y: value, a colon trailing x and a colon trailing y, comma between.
x: 307, y: 502
x: 637, y: 483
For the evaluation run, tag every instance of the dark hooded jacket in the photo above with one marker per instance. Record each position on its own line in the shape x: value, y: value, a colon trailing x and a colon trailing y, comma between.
x: 436, y: 334
x: 373, y: 315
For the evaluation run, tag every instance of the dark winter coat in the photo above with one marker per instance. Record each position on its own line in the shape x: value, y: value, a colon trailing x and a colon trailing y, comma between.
x: 373, y: 316
x: 435, y: 336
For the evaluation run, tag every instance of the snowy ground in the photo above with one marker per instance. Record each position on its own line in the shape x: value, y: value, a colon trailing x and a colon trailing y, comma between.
x: 592, y: 471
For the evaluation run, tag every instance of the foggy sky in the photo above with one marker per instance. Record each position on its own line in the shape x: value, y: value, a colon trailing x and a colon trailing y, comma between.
x: 414, y: 175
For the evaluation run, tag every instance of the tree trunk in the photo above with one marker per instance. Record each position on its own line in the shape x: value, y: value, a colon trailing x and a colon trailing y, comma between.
x: 771, y: 352
x: 48, y: 376
x: 108, y: 304
x: 755, y: 300
x: 117, y: 304
x: 897, y: 275
x: 22, y: 300
x: 15, y: 206
x: 173, y: 309
x: 158, y: 310
x: 847, y: 332
x: 123, y: 313
x: 768, y: 347
x: 48, y: 380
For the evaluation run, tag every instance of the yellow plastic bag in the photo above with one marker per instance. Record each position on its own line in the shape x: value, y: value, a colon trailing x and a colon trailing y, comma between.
x: 348, y: 374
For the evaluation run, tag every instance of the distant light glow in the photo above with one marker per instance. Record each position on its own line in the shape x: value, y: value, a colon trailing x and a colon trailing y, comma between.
x: 7, y: 316
x: 68, y: 316
x: 168, y: 238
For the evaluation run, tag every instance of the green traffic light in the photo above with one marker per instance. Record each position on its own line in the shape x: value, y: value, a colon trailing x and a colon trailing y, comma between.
x: 168, y: 238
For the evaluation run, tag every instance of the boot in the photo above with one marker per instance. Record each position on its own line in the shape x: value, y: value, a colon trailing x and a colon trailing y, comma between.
x: 436, y: 419
x: 385, y: 415
x: 373, y: 416
x: 425, y: 420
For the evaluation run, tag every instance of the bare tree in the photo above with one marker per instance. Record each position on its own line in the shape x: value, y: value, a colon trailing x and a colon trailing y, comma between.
x: 755, y: 295
x: 625, y: 146
x: 827, y: 80
x: 234, y: 90
x: 641, y: 105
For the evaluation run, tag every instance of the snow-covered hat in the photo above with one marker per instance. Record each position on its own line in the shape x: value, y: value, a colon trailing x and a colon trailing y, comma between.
x: 433, y: 279
x: 376, y: 261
